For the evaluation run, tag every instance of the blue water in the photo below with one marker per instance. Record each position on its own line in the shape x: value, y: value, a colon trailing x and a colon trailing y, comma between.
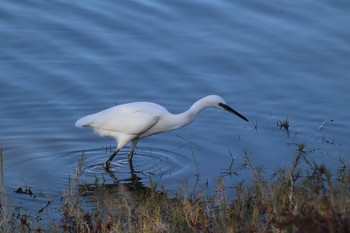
x: 270, y: 61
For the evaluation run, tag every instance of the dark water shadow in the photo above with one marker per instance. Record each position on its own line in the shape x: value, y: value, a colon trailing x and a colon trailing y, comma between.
x: 128, y: 190
x: 128, y: 183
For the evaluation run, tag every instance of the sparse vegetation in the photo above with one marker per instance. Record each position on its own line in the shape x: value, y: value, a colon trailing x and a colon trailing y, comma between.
x: 303, y: 198
x: 284, y: 124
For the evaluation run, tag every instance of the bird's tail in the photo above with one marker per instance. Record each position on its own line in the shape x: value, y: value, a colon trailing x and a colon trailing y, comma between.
x: 85, y: 121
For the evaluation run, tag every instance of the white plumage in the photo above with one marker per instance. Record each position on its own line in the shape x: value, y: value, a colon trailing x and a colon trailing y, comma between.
x: 133, y: 121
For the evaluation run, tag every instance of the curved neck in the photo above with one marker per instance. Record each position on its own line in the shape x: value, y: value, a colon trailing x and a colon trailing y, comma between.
x: 182, y: 119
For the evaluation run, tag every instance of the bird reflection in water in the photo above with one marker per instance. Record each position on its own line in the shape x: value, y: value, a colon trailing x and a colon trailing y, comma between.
x: 128, y: 191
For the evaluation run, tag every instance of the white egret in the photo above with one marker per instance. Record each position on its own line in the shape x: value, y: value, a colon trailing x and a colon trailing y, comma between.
x: 134, y: 121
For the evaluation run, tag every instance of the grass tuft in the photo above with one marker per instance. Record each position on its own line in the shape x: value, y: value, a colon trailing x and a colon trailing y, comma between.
x: 305, y: 197
x: 284, y: 124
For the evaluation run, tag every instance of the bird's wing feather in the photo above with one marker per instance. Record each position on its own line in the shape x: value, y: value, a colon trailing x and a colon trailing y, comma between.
x: 126, y: 119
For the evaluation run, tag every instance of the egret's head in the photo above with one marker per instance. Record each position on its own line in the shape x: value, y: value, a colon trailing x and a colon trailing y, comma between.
x: 218, y: 102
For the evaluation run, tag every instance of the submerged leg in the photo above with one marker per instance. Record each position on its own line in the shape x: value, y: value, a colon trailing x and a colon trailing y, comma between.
x: 106, y: 164
x: 133, y: 146
x: 131, y: 154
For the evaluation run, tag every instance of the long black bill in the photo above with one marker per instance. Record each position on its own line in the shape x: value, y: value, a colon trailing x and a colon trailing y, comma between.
x: 228, y: 108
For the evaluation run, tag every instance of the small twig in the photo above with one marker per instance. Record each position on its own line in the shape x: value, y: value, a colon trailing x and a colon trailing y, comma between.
x: 255, y: 126
x: 43, y: 208
x: 324, y: 122
x: 231, y: 170
x: 191, y: 145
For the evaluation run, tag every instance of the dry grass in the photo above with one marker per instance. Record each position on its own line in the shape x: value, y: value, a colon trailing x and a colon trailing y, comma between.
x: 297, y: 199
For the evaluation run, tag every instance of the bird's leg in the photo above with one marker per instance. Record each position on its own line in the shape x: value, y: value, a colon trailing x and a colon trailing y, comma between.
x: 131, y: 154
x: 106, y: 164
x: 112, y: 175
x: 131, y: 166
x: 134, y: 178
x: 133, y: 146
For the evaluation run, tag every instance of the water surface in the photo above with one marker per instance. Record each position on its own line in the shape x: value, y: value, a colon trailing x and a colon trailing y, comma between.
x: 270, y: 61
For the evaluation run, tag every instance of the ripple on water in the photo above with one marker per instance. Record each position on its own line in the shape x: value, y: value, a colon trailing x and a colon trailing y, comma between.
x: 155, y: 164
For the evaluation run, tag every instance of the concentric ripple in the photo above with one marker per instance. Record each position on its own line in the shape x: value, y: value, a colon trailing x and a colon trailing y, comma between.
x: 155, y: 164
